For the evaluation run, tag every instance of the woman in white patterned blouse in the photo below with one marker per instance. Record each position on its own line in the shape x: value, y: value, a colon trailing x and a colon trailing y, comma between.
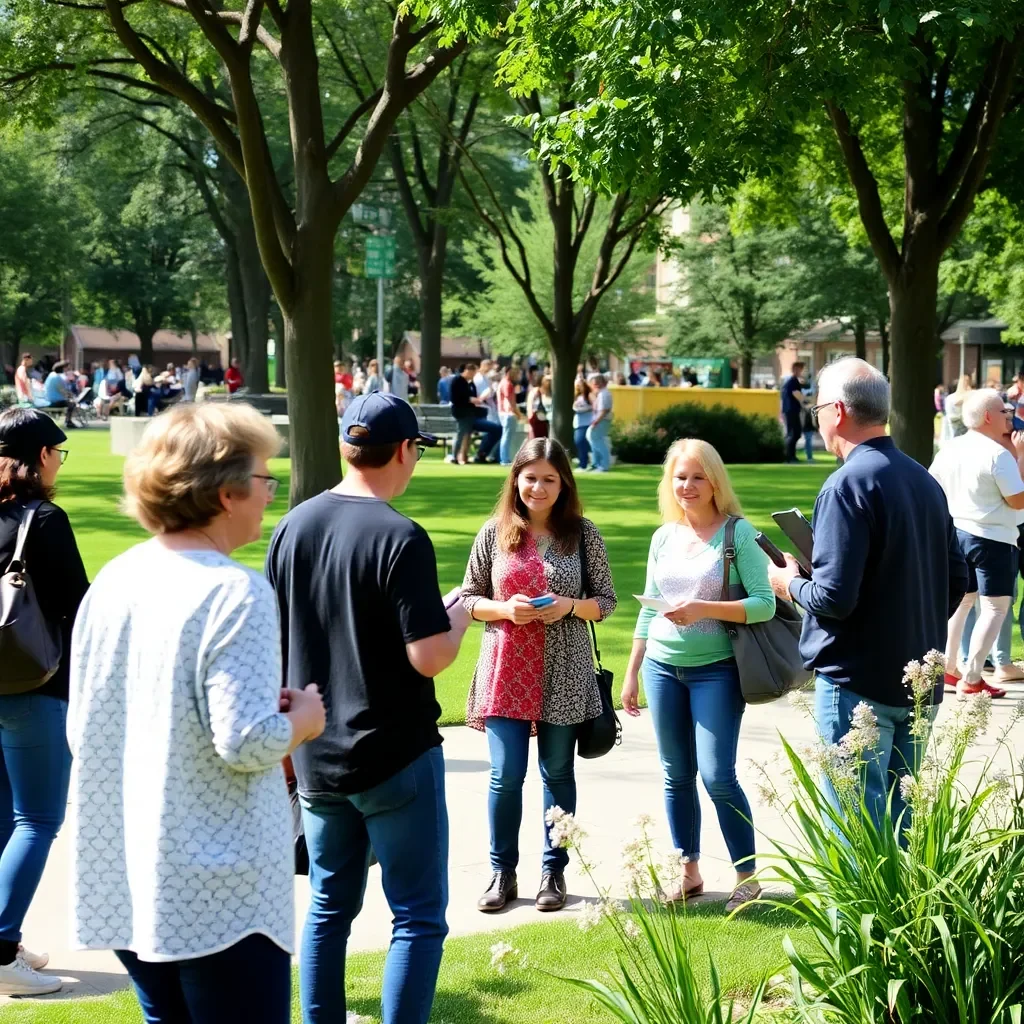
x: 181, y: 828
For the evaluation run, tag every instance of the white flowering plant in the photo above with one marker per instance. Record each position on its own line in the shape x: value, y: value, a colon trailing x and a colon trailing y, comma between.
x: 919, y: 917
x: 656, y: 981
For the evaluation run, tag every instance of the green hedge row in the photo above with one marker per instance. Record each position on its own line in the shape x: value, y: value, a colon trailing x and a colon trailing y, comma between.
x: 737, y: 436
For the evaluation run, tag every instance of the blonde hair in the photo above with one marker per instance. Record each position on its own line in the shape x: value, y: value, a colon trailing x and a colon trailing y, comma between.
x: 711, y: 462
x: 173, y: 479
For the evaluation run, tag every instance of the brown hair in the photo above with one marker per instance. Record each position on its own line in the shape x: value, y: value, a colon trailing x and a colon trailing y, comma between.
x: 21, y: 482
x: 369, y: 456
x: 513, y: 520
x: 173, y: 479
x: 582, y: 388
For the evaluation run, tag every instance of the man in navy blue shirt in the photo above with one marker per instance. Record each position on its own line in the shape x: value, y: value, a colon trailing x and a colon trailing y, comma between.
x: 887, y: 574
x: 792, y: 409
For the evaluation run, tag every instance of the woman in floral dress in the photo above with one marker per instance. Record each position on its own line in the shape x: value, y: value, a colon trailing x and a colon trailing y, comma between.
x: 535, y: 674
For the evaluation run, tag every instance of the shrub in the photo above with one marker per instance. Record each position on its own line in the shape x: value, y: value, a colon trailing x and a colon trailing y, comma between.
x: 738, y: 437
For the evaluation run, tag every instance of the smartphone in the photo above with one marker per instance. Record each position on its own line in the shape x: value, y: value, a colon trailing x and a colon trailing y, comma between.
x: 542, y: 602
x: 771, y: 550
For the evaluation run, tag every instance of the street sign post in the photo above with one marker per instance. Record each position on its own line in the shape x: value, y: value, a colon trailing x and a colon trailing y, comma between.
x: 380, y: 256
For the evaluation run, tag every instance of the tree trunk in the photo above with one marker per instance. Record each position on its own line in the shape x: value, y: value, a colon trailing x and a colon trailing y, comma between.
x: 746, y: 369
x: 912, y: 301
x: 236, y: 307
x: 563, y: 386
x: 145, y: 333
x: 309, y: 352
x: 280, y: 369
x: 256, y: 295
x: 431, y: 273
x: 860, y: 338
x: 883, y: 333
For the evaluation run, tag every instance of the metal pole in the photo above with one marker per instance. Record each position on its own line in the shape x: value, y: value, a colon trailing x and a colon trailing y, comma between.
x: 380, y: 329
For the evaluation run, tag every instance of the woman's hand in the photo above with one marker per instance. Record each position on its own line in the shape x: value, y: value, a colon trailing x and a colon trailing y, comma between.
x: 305, y: 708
x: 561, y: 607
x: 631, y: 695
x: 519, y: 611
x: 686, y: 613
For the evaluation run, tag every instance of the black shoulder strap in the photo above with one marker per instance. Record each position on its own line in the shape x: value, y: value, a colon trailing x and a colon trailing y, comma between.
x: 26, y: 523
x: 585, y: 591
x: 728, y: 554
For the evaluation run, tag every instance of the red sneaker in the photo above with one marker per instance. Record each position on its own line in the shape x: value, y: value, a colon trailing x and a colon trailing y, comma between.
x: 950, y: 681
x: 968, y: 689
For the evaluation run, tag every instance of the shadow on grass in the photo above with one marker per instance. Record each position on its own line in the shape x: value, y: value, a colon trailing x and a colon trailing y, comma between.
x: 455, y: 1007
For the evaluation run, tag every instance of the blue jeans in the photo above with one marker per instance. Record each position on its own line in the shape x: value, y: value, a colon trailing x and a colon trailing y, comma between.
x: 468, y: 425
x: 697, y: 714
x: 579, y: 437
x: 809, y: 445
x: 1001, y: 649
x: 35, y: 768
x: 898, y: 752
x: 405, y: 822
x: 250, y: 981
x: 508, y: 434
x: 597, y: 435
x: 509, y: 742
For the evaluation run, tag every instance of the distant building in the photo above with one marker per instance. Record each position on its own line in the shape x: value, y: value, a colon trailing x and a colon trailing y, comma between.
x: 453, y: 350
x: 85, y: 345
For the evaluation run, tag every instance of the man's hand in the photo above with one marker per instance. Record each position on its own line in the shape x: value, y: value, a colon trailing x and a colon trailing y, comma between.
x: 1017, y: 440
x: 781, y: 578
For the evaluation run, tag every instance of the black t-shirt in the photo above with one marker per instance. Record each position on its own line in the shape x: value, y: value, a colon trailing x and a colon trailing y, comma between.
x: 790, y: 405
x: 57, y: 573
x: 463, y: 391
x: 356, y: 581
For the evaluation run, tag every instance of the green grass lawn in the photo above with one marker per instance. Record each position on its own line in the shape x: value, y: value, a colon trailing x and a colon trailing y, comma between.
x: 452, y: 502
x: 470, y: 992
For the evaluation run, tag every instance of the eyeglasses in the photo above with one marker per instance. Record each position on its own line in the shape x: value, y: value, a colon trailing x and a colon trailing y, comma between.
x: 815, y: 409
x: 63, y: 454
x: 272, y: 483
x: 420, y: 451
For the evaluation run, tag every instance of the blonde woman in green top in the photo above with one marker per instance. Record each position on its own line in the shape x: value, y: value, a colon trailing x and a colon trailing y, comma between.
x: 686, y: 657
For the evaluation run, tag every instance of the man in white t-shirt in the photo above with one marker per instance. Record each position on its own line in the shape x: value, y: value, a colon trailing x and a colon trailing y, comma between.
x: 981, y: 474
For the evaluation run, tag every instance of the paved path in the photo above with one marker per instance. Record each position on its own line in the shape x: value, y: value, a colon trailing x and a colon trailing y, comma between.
x: 613, y: 791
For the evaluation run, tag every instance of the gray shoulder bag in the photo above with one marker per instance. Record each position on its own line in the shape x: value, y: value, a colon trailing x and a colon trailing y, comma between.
x: 30, y: 647
x: 767, y: 653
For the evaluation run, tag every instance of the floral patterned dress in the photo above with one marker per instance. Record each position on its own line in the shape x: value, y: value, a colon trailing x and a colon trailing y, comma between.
x: 535, y: 672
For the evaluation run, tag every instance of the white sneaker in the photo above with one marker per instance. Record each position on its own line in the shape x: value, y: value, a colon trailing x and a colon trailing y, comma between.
x: 18, y: 979
x: 37, y: 961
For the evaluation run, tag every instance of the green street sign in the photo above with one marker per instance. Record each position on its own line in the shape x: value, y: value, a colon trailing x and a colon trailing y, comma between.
x: 380, y: 256
x: 365, y: 214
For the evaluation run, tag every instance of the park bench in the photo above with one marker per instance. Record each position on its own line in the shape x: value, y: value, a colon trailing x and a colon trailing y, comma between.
x: 437, y: 420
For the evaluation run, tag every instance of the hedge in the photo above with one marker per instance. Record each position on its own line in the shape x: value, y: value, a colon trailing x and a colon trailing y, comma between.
x: 738, y: 437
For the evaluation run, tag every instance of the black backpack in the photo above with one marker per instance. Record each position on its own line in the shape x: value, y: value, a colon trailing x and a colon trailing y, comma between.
x: 30, y: 647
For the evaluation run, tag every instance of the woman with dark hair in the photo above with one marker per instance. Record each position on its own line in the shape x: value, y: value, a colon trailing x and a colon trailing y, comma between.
x: 535, y: 674
x: 35, y: 763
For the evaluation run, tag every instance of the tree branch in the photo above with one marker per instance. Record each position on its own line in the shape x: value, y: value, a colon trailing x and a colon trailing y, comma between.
x: 869, y: 202
x: 960, y: 207
x: 412, y: 211
x: 353, y: 119
x: 583, y: 220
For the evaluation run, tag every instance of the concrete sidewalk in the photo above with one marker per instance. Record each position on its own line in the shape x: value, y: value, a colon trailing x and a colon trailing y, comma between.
x: 613, y: 792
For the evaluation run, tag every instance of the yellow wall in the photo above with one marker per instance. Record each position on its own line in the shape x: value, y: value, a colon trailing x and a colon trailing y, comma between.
x: 632, y: 402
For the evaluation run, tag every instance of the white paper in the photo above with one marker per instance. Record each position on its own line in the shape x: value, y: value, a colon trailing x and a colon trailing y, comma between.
x: 654, y: 602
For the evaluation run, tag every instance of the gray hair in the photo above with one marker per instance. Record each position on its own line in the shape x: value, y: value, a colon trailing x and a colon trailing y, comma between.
x: 861, y: 388
x: 977, y: 403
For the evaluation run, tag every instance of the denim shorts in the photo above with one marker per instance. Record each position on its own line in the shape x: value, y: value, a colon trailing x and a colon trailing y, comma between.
x: 991, y: 565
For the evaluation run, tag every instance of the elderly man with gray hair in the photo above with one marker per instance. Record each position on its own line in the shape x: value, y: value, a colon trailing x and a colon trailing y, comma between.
x: 980, y: 472
x: 887, y: 573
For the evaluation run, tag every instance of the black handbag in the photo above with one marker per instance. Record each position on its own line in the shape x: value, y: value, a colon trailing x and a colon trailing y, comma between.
x: 767, y: 653
x: 596, y: 737
x: 30, y: 647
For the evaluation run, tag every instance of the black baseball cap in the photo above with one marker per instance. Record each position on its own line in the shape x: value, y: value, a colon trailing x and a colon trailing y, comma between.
x: 382, y: 419
x: 25, y: 432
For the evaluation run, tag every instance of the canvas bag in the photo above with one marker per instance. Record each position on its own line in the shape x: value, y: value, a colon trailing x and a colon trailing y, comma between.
x: 30, y: 647
x: 767, y: 653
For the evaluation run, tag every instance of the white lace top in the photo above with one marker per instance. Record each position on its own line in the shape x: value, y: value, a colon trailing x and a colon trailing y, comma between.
x: 180, y: 822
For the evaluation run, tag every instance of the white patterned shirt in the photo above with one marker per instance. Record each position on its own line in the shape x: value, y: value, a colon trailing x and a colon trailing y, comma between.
x: 180, y: 821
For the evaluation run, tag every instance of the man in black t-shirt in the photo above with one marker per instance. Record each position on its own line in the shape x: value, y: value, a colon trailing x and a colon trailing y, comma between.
x: 362, y: 617
x: 471, y: 416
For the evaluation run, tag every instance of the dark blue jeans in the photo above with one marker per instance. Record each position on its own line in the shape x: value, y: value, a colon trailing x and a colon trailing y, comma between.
x: 509, y: 743
x: 404, y: 820
x: 579, y: 437
x: 35, y: 767
x: 697, y: 714
x: 466, y: 425
x: 250, y: 981
x: 898, y: 751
